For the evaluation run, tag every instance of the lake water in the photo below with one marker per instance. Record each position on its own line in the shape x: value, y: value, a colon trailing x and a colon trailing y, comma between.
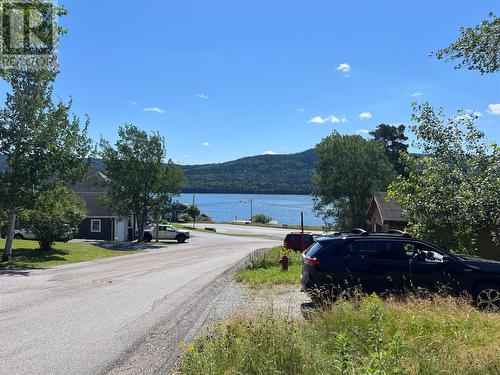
x: 285, y: 209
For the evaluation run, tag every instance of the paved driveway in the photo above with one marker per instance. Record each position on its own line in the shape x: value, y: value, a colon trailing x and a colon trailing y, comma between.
x: 80, y: 318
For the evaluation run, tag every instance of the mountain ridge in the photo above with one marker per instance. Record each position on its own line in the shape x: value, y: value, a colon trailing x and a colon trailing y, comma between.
x: 260, y: 174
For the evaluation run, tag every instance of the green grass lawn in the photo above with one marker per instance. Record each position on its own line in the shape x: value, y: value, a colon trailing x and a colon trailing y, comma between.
x: 432, y: 336
x: 27, y: 255
x: 266, y: 269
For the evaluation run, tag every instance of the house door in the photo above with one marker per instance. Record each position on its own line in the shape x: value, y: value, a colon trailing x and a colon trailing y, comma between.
x: 121, y: 230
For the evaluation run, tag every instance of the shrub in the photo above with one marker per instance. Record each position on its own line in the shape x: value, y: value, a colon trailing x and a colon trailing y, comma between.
x: 54, y: 210
x: 262, y: 219
x: 185, y: 218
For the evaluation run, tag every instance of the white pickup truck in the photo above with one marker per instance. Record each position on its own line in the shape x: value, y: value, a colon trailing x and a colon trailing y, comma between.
x: 165, y: 232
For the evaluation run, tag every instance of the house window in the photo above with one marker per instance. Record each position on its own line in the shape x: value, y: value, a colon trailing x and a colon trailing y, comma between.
x: 95, y: 225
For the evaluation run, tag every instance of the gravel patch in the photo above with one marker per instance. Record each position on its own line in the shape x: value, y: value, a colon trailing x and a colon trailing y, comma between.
x: 160, y: 350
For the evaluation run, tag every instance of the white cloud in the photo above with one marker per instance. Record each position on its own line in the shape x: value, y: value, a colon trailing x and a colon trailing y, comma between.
x: 494, y: 109
x: 316, y: 120
x: 202, y: 96
x: 205, y: 144
x: 321, y: 120
x: 344, y: 67
x: 132, y: 102
x: 365, y: 116
x: 333, y: 119
x: 362, y: 131
x: 343, y: 119
x: 154, y: 109
x: 417, y: 94
x: 301, y: 110
x: 269, y: 153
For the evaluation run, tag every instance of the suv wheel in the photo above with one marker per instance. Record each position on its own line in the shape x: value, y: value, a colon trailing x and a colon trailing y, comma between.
x: 181, y: 238
x: 487, y: 297
x: 147, y: 237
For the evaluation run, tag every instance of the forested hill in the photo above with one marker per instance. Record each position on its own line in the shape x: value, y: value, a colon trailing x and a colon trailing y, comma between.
x: 264, y: 174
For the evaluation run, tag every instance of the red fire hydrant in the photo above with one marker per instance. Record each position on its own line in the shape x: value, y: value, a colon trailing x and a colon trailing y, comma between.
x: 284, y: 263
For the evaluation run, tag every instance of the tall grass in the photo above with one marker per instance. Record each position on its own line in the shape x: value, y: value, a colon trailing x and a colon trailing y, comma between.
x: 438, y: 336
x: 265, y: 269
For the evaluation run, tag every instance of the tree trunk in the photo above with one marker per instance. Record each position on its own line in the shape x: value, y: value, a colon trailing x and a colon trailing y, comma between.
x: 45, y: 244
x: 7, y: 254
x: 141, y: 224
x: 140, y: 229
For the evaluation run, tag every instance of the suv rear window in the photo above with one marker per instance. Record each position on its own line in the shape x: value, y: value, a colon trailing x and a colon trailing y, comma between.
x: 329, y: 248
x: 314, y: 249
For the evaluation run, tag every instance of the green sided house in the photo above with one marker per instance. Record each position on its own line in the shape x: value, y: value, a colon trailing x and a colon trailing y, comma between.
x: 101, y: 223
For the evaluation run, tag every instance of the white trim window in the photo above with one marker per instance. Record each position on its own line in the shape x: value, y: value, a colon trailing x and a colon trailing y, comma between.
x: 95, y: 225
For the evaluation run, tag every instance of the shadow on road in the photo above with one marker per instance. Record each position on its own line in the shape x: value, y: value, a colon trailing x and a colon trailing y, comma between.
x: 16, y: 271
x: 27, y: 255
x: 131, y: 246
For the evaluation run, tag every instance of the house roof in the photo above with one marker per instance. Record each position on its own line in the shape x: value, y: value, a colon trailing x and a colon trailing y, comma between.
x: 389, y: 210
x: 93, y: 190
x: 181, y: 206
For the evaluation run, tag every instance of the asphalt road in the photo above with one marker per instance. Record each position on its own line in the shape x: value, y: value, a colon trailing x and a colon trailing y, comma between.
x: 82, y: 318
x: 248, y: 230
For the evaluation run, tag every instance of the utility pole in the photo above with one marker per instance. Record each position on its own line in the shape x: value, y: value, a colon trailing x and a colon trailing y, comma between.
x: 302, y: 231
x: 194, y: 216
x: 251, y: 210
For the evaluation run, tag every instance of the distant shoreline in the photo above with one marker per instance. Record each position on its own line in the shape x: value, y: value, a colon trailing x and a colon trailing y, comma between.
x: 244, y: 192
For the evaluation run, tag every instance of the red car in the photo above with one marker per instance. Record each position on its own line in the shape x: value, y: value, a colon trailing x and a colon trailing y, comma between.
x: 298, y: 241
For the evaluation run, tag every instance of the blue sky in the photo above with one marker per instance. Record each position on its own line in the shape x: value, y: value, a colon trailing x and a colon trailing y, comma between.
x: 227, y: 79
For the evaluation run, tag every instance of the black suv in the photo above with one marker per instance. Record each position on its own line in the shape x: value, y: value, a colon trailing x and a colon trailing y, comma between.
x: 395, y: 262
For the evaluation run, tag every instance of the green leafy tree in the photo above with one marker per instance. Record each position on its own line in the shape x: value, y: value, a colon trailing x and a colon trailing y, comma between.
x: 40, y: 140
x: 185, y: 217
x: 348, y: 171
x: 478, y: 48
x: 393, y: 140
x: 261, y: 218
x: 55, y: 211
x: 452, y: 192
x: 140, y: 183
x: 193, y: 211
